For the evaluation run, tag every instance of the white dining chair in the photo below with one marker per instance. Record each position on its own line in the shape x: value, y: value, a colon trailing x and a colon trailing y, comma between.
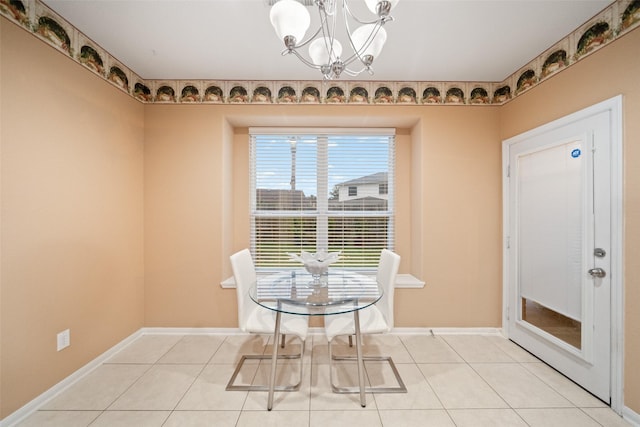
x: 255, y: 319
x: 374, y: 319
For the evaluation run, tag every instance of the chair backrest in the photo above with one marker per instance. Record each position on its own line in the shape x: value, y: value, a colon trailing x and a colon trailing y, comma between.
x: 387, y: 272
x: 244, y: 273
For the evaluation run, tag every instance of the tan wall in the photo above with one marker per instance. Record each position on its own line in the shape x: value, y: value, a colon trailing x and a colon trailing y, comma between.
x: 455, y: 203
x: 80, y: 160
x: 609, y: 72
x: 457, y: 209
x: 72, y: 224
x: 184, y: 229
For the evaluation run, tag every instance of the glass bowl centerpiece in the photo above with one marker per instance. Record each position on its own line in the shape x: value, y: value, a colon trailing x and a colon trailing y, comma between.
x: 317, y: 263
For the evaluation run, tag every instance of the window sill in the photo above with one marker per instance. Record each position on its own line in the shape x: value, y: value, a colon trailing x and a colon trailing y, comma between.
x: 403, y: 281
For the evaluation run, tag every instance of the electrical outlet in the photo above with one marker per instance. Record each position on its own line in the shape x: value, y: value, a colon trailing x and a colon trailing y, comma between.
x: 64, y: 339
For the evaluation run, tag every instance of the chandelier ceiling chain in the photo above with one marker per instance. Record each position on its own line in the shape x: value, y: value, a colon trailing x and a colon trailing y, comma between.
x: 291, y: 20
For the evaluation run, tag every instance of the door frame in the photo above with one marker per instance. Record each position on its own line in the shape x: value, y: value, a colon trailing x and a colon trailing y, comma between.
x: 614, y: 107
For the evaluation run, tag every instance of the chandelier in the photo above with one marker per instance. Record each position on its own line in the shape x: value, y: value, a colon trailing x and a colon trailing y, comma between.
x: 291, y: 20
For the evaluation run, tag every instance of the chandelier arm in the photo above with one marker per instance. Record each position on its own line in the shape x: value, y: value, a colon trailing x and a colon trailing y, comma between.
x: 327, y: 32
x: 357, y: 53
x: 352, y: 59
x: 308, y: 40
x: 345, y: 11
x: 304, y: 60
x: 353, y: 73
x: 323, y: 20
x: 332, y: 33
x: 322, y: 4
x: 328, y: 22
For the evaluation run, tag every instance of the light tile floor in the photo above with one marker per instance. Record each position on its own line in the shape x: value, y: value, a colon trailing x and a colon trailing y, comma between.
x: 452, y: 380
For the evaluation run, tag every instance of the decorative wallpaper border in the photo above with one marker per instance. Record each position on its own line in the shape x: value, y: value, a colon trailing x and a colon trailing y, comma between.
x: 614, y: 21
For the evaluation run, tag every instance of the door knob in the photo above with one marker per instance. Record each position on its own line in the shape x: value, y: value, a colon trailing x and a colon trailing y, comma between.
x: 597, y: 272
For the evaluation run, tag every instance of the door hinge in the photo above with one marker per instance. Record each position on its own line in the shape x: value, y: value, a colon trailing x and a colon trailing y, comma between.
x: 508, y: 242
x: 508, y: 171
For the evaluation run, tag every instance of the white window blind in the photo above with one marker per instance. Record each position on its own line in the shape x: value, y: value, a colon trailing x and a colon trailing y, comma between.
x: 302, y: 194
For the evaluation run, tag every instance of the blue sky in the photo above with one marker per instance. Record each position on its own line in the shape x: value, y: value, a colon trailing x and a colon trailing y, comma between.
x: 349, y: 157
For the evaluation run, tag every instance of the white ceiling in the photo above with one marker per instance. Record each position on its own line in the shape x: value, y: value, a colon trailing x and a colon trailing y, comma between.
x: 429, y: 40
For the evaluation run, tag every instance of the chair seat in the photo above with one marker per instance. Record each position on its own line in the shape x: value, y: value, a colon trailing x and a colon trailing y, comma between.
x: 372, y: 321
x: 263, y: 321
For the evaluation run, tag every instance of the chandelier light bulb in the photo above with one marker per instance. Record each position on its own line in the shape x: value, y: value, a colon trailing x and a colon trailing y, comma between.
x: 290, y: 19
x: 319, y: 51
x: 363, y: 38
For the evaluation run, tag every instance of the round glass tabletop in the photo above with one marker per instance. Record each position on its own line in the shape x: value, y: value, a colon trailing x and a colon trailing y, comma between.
x: 297, y: 292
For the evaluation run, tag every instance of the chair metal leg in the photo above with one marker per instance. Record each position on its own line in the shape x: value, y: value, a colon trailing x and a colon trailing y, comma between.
x: 265, y: 387
x: 400, y: 388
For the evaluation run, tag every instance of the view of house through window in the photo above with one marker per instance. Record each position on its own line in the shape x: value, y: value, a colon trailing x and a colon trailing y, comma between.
x: 321, y: 190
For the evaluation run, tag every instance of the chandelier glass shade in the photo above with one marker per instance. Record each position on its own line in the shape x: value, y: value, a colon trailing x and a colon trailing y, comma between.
x: 291, y: 20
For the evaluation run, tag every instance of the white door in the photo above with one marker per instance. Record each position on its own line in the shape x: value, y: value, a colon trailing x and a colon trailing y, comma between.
x: 559, y: 248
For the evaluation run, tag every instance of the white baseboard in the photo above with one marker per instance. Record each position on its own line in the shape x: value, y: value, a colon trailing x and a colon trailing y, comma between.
x: 190, y: 331
x: 22, y: 413
x: 318, y: 330
x: 631, y: 417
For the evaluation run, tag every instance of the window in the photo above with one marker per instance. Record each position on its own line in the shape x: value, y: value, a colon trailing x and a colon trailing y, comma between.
x: 383, y: 188
x: 320, y: 189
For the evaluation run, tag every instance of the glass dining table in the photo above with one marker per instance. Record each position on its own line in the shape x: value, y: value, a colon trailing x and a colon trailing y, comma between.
x: 298, y: 292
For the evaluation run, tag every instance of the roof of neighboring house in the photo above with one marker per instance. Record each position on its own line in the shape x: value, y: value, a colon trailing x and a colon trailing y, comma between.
x: 375, y: 178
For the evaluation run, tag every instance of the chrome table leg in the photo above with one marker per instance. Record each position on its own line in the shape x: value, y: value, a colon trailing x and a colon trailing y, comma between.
x: 274, y: 360
x: 356, y: 319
